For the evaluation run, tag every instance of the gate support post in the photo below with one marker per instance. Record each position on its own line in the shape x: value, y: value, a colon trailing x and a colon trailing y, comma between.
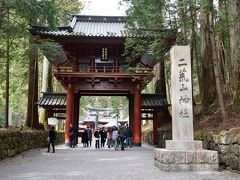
x: 69, y: 112
x: 137, y: 116
x: 131, y: 115
x: 76, y: 117
x: 155, y: 126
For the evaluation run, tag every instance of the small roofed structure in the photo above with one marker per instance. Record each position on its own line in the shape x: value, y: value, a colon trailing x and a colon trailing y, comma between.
x: 153, y: 101
x: 54, y: 103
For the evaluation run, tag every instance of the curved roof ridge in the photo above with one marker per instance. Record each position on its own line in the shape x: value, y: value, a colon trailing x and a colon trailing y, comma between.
x: 96, y: 18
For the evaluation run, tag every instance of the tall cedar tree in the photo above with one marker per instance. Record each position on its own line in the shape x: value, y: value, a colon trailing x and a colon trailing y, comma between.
x: 234, y: 30
x: 36, y: 12
x: 208, y: 79
x: 65, y: 7
x: 146, y: 18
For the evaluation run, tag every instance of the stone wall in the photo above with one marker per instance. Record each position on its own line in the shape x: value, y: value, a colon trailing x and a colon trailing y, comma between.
x: 228, y: 146
x: 14, y: 142
x: 163, y: 135
x: 226, y: 143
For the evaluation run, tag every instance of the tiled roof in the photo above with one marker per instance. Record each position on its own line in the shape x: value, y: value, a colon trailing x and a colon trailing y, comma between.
x: 89, y: 119
x: 149, y: 101
x: 152, y: 101
x: 52, y: 100
x: 88, y: 26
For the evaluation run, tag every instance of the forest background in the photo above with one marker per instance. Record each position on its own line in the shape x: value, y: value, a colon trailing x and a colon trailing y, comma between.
x: 211, y: 28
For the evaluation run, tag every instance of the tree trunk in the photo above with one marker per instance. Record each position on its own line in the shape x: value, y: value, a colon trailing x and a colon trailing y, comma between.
x: 223, y: 46
x: 7, y: 79
x: 194, y: 53
x: 46, y: 87
x: 234, y: 30
x: 32, y: 109
x: 182, y: 13
x: 216, y: 69
x: 208, y: 79
x: 164, y: 115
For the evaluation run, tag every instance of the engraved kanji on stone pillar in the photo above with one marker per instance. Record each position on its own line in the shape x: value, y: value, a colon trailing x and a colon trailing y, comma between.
x: 182, y: 112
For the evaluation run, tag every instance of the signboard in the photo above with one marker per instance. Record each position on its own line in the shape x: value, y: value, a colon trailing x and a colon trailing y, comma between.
x: 52, y: 121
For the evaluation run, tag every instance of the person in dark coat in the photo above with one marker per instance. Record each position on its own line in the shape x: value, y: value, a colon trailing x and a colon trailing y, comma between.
x: 129, y: 137
x: 89, y: 132
x: 103, y: 135
x: 51, y: 139
x: 97, y: 136
x: 72, y: 135
x: 85, y: 138
x: 122, y: 135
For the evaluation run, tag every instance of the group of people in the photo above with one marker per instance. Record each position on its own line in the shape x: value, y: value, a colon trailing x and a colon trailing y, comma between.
x: 114, y: 136
x: 100, y: 135
x: 87, y: 137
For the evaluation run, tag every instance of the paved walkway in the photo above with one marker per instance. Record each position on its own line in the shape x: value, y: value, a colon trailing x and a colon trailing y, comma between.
x: 95, y: 164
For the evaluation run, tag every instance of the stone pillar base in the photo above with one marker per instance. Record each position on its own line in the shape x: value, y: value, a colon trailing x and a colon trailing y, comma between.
x: 183, y: 145
x: 194, y: 159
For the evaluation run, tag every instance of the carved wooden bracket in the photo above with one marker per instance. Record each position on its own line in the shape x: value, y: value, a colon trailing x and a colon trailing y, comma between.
x: 115, y: 81
x: 93, y: 81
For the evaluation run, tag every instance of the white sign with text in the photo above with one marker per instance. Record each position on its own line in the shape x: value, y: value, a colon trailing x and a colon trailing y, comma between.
x: 52, y: 121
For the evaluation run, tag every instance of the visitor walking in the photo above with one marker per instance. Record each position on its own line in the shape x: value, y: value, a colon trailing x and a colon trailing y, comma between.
x: 122, y: 135
x: 109, y: 137
x: 115, y: 137
x: 89, y: 132
x: 85, y: 138
x: 51, y: 139
x: 103, y: 135
x: 97, y: 136
x: 72, y: 136
x: 129, y: 137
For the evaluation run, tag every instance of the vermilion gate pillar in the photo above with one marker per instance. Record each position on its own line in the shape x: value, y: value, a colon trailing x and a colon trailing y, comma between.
x: 137, y: 116
x: 69, y: 112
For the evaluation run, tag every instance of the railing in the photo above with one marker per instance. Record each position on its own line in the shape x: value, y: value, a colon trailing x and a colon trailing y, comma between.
x: 102, y: 69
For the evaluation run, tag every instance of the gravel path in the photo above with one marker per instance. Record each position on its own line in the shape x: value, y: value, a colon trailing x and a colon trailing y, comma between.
x: 95, y: 164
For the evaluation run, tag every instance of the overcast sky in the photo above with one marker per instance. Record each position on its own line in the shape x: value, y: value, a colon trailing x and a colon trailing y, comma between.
x: 103, y: 7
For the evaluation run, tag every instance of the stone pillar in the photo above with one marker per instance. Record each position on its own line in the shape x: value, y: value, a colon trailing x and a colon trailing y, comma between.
x: 10, y: 119
x: 18, y: 120
x: 155, y: 127
x: 96, y: 121
x: 137, y: 116
x: 181, y: 93
x: 69, y: 112
x: 183, y: 153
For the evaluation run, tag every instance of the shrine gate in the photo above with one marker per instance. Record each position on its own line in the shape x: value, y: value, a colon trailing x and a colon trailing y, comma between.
x: 90, y: 62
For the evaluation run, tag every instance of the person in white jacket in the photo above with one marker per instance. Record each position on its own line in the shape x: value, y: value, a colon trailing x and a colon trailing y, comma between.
x: 115, y: 137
